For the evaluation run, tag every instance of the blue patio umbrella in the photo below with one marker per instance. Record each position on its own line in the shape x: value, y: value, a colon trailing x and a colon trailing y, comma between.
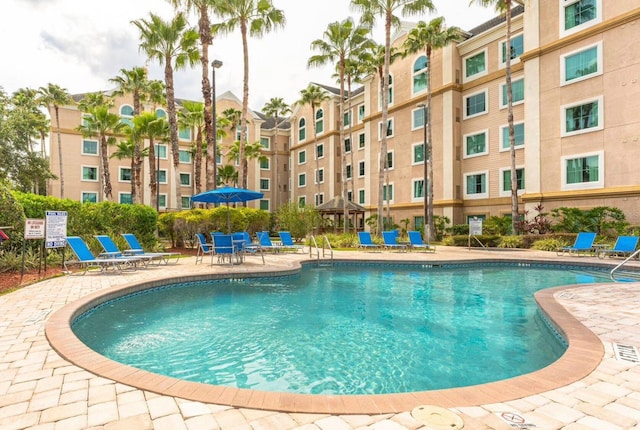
x: 227, y: 195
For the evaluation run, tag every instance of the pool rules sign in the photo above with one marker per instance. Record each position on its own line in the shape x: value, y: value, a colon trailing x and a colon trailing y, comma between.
x: 56, y: 229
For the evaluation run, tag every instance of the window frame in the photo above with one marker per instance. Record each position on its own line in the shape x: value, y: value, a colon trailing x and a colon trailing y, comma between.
x: 582, y: 185
x: 563, y: 64
x: 504, y: 144
x: 476, y: 196
x: 466, y: 98
x: 302, y: 129
x: 390, y: 126
x: 303, y: 153
x: 121, y: 194
x: 362, y: 196
x: 388, y: 186
x: 185, y: 174
x: 83, y: 152
x: 504, y: 103
x: 362, y: 169
x: 563, y: 117
x: 484, y: 132
x: 414, y: 126
x: 319, y: 148
x: 502, y: 63
x: 166, y: 176
x: 564, y: 4
x: 302, y: 180
x: 415, y: 162
x: 415, y: 73
x: 187, y: 152
x: 267, y: 182
x: 268, y: 164
x: 83, y: 194
x: 264, y: 139
x: 86, y: 166
x: 466, y: 78
x: 121, y: 169
x: 318, y: 176
x: 162, y: 196
x: 415, y: 198
x: 362, y: 112
x: 166, y: 151
x: 319, y: 119
x: 507, y: 193
x: 362, y: 143
x: 268, y: 204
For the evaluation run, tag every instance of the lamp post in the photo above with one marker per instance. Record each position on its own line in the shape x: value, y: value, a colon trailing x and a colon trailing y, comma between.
x: 426, y: 154
x: 158, y: 178
x: 215, y: 64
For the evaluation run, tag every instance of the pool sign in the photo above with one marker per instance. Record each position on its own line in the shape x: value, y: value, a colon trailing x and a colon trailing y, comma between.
x: 56, y: 229
x: 34, y: 228
x: 475, y: 226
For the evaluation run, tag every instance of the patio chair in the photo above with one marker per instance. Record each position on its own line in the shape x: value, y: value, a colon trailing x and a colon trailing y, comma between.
x: 390, y: 239
x: 111, y: 250
x: 246, y: 247
x: 416, y: 242
x: 86, y: 260
x: 582, y: 245
x: 136, y: 249
x: 204, y: 248
x: 265, y: 242
x: 287, y: 242
x: 624, y: 247
x: 224, y: 248
x: 366, y: 242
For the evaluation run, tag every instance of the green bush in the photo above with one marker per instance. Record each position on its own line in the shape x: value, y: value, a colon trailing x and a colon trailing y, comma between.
x: 551, y: 244
x: 460, y: 229
x: 296, y: 219
x: 511, y: 242
x: 500, y: 225
x: 489, y: 241
x: 604, y: 220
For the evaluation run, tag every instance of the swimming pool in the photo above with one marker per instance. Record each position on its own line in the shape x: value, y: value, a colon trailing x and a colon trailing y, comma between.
x: 394, y: 328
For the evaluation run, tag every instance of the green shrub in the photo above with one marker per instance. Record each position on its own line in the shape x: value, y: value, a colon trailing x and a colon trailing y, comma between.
x: 459, y: 229
x: 551, y: 244
x: 500, y: 225
x: 489, y: 241
x: 296, y: 219
x: 511, y: 242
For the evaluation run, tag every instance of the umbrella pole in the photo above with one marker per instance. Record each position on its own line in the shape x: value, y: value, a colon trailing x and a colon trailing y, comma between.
x: 228, y: 220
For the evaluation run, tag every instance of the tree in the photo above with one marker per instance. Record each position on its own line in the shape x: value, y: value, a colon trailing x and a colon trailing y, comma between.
x: 103, y: 124
x: 174, y: 45
x: 275, y: 108
x: 53, y: 96
x: 386, y: 9
x: 504, y: 8
x: 341, y: 40
x: 227, y: 175
x: 134, y: 82
x: 192, y: 117
x: 313, y: 96
x: 252, y: 18
x: 149, y: 126
x: 429, y: 37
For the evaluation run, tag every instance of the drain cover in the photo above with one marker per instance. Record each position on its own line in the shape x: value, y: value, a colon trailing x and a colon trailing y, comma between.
x: 437, y: 418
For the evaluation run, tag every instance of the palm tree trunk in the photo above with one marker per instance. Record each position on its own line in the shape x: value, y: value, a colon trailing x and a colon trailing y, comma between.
x: 173, y: 130
x: 353, y: 191
x: 153, y: 185
x: 512, y: 143
x: 385, y: 116
x: 345, y: 212
x: 104, y: 155
x: 245, y: 106
x: 428, y: 153
x: 59, y: 151
x: 276, y: 182
x: 198, y: 162
x: 204, y: 27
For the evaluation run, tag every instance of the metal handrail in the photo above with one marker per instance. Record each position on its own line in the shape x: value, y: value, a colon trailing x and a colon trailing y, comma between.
x: 325, y: 241
x: 623, y: 263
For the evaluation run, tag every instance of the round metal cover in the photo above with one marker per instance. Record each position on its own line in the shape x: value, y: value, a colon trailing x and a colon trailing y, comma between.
x: 437, y: 418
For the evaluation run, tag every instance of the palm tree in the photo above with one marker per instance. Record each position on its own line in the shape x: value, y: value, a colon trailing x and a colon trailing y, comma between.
x: 174, y: 45
x: 227, y: 175
x: 134, y: 82
x: 429, y: 37
x: 386, y: 9
x: 192, y: 117
x: 127, y: 149
x: 275, y: 108
x: 504, y: 8
x: 149, y: 126
x: 54, y: 96
x: 103, y: 124
x: 313, y: 96
x: 201, y: 9
x: 91, y: 101
x: 341, y: 40
x: 253, y: 18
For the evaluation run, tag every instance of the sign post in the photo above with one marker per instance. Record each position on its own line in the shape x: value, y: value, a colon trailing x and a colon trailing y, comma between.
x: 475, y: 229
x: 56, y: 231
x: 33, y: 229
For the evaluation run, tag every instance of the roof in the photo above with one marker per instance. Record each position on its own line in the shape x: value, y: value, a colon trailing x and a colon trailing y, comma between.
x: 518, y: 10
x: 270, y: 122
x: 336, y: 205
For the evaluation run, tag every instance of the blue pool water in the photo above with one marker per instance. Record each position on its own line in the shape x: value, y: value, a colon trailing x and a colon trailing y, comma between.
x: 350, y: 329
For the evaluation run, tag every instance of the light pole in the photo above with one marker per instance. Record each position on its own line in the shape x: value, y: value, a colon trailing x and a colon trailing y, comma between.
x: 215, y: 64
x: 426, y: 154
x: 158, y: 179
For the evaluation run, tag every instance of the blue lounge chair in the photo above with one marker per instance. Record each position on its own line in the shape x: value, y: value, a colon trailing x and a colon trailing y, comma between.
x: 416, y: 242
x: 583, y: 245
x: 111, y: 250
x: 287, y: 242
x: 204, y: 248
x: 366, y: 242
x: 224, y: 248
x: 624, y: 246
x: 265, y: 242
x: 390, y: 239
x: 86, y: 260
x: 136, y: 249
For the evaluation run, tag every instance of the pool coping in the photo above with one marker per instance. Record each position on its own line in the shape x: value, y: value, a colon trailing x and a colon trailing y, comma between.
x: 584, y: 353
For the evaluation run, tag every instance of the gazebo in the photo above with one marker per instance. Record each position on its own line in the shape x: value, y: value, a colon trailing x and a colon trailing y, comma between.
x: 335, y: 206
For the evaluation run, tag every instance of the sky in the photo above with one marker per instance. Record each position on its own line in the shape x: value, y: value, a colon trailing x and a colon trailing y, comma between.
x: 80, y: 45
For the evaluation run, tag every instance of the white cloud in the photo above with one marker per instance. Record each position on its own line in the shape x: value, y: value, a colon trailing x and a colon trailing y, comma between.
x: 80, y: 45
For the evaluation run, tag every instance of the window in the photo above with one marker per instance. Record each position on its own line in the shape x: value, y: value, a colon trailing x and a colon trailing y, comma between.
x: 518, y: 134
x: 319, y: 199
x: 124, y: 174
x: 390, y: 160
x: 361, y: 196
x: 475, y: 65
x: 162, y: 201
x: 361, y: 170
x: 89, y: 197
x: 302, y: 201
x: 579, y: 14
x: 387, y: 192
x: 347, y: 145
x: 517, y: 48
x: 505, y: 189
x: 320, y: 176
x: 126, y: 112
x: 125, y: 199
x: 347, y: 119
x: 185, y: 156
x: 349, y: 196
x: 361, y: 141
x: 476, y: 185
x: 184, y: 133
x: 320, y: 150
x: 265, y: 142
x: 475, y: 104
x: 418, y: 222
x: 185, y: 202
x: 517, y: 92
x: 418, y: 118
x: 264, y: 184
x: 418, y: 189
x: 476, y: 144
x: 264, y: 164
x: 390, y: 93
x: 361, y: 113
x: 162, y: 176
x: 160, y: 113
x: 389, y: 128
x: 580, y: 65
x: 319, y: 121
x: 349, y: 171
x: 264, y: 204
x: 89, y: 173
x: 583, y: 171
x: 302, y: 156
x: 302, y: 129
x: 185, y: 179
x: 90, y: 147
x: 302, y: 180
x: 420, y: 74
x: 582, y: 118
x: 418, y: 153
x: 161, y: 151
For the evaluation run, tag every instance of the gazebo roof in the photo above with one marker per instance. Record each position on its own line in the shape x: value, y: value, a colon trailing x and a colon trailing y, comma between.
x: 336, y: 205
